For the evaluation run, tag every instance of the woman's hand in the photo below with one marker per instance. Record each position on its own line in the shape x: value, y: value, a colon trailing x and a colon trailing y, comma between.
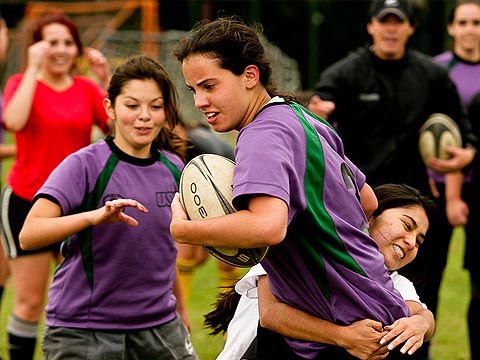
x: 98, y: 65
x: 113, y: 212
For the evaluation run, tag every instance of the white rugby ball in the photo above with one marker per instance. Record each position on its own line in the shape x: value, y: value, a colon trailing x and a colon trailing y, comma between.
x: 436, y: 134
x: 206, y: 187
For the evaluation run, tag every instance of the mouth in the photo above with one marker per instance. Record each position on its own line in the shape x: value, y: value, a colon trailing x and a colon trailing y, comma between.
x: 399, y: 251
x: 143, y: 130
x: 60, y: 60
x: 211, y: 115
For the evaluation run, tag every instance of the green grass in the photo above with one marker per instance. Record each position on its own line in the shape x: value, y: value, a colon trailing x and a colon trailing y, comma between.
x: 450, y: 341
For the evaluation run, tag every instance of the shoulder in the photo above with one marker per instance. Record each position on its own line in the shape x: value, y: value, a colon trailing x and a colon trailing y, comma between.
x: 443, y: 58
x: 14, y: 79
x: 173, y: 158
x: 85, y: 82
x: 93, y: 153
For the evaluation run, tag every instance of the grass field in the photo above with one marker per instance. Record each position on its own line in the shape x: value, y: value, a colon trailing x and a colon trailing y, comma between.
x: 450, y: 341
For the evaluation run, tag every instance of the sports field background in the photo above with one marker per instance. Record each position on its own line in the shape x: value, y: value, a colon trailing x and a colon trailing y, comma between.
x: 450, y: 341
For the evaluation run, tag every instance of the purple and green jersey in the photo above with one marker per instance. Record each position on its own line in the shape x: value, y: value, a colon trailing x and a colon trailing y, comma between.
x: 327, y: 265
x: 115, y: 276
x: 463, y: 73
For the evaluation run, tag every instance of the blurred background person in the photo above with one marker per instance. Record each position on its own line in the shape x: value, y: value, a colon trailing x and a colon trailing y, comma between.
x: 51, y: 112
x: 463, y: 64
x: 378, y: 98
x: 6, y: 150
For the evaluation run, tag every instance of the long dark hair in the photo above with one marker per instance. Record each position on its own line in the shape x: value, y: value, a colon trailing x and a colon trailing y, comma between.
x: 141, y: 67
x: 391, y: 196
x: 234, y: 44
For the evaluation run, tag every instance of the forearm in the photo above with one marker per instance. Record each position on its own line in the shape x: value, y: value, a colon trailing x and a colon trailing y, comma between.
x: 38, y: 232
x: 263, y: 224
x: 361, y: 339
x: 8, y: 150
x: 44, y: 224
x: 17, y: 112
x: 453, y: 185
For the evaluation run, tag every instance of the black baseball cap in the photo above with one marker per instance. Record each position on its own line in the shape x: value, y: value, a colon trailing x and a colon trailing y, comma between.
x: 401, y: 8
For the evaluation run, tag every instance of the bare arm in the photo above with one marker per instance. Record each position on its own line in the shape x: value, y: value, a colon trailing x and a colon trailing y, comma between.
x: 361, y: 339
x: 99, y: 66
x: 16, y: 113
x: 457, y: 210
x: 44, y: 224
x: 264, y: 223
x: 8, y: 150
x: 181, y: 307
x: 461, y: 157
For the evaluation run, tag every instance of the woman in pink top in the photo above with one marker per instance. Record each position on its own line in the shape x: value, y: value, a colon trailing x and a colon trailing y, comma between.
x: 51, y: 112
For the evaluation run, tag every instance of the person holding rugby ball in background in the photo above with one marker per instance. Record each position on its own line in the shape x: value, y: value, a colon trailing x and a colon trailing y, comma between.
x: 463, y: 64
x: 51, y: 112
x: 117, y: 294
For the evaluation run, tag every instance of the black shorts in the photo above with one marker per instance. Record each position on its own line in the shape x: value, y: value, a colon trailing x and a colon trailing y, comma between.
x: 14, y: 212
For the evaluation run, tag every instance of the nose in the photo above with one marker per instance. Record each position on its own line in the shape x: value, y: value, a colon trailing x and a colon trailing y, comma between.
x: 144, y: 113
x: 411, y: 241
x: 200, y: 100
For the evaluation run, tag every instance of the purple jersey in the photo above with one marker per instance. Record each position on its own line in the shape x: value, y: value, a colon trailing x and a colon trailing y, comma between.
x: 115, y: 276
x: 327, y: 265
x: 465, y: 75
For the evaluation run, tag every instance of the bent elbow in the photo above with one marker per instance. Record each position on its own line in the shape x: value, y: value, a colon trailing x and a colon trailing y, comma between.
x: 24, y: 241
x: 274, y: 236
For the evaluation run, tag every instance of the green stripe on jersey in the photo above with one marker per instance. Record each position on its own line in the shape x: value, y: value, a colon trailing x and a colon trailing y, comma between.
x: 314, y: 226
x: 90, y: 203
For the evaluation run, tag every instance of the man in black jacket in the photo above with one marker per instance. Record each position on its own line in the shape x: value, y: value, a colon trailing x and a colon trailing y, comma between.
x: 378, y: 98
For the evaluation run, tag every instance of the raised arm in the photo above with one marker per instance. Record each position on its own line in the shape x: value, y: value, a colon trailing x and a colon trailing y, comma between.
x: 17, y: 111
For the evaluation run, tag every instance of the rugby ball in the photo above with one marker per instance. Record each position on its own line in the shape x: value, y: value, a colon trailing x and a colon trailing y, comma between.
x: 206, y: 187
x: 436, y: 134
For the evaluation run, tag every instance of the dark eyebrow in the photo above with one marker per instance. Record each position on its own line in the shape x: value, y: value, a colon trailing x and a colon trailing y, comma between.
x: 414, y: 224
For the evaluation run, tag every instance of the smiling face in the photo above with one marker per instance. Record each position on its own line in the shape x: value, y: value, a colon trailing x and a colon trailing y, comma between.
x: 465, y: 29
x: 390, y: 36
x: 226, y: 99
x: 399, y: 232
x: 63, y: 50
x: 138, y: 115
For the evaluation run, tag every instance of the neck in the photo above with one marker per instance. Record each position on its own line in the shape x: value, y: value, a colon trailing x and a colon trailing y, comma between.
x: 472, y: 55
x: 58, y: 82
x: 256, y: 105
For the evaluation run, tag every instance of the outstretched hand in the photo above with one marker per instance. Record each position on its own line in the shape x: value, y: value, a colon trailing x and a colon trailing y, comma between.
x: 113, y: 212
